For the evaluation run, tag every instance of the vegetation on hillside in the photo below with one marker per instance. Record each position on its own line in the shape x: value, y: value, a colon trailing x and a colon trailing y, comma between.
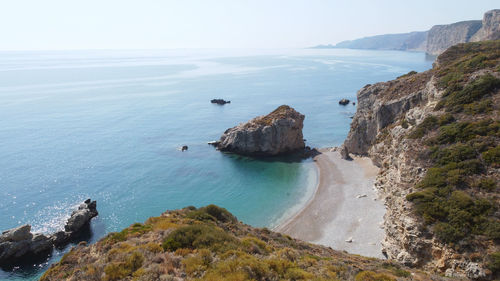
x: 210, y: 244
x: 458, y: 197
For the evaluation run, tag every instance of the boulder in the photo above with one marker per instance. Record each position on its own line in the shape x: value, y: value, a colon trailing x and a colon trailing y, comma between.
x: 344, y: 153
x: 82, y: 216
x: 279, y: 132
x: 17, y: 234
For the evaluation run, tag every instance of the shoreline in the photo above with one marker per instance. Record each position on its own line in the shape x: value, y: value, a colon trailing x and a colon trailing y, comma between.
x: 344, y: 211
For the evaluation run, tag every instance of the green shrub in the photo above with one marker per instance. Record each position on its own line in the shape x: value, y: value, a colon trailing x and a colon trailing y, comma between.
x: 492, y: 156
x: 372, y: 276
x: 474, y: 91
x: 429, y: 123
x: 488, y: 184
x: 448, y: 233
x: 494, y: 262
x: 212, y: 212
x: 120, y: 270
x: 493, y: 229
x: 197, y: 237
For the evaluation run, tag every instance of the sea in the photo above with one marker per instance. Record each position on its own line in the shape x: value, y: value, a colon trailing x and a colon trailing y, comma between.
x: 108, y: 125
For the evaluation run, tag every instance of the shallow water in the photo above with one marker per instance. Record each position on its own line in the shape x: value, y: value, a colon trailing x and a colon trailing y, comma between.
x: 107, y: 125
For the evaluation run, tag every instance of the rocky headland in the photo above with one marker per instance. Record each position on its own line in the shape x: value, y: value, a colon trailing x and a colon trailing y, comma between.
x: 19, y: 245
x: 277, y: 133
x: 435, y: 136
x: 434, y: 41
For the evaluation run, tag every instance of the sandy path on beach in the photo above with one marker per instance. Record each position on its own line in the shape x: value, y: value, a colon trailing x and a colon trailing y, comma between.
x: 344, y: 207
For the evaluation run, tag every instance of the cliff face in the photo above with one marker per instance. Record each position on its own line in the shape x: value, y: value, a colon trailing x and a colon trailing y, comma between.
x: 441, y: 37
x: 210, y: 244
x: 279, y: 132
x: 424, y: 131
x: 436, y: 40
x: 490, y: 29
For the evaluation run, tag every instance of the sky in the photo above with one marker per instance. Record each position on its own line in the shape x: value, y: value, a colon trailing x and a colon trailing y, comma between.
x: 163, y: 24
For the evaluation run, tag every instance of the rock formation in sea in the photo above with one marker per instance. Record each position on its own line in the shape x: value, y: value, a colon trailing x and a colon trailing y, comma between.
x: 210, y: 244
x: 435, y: 41
x: 18, y: 245
x: 435, y: 137
x: 279, y: 132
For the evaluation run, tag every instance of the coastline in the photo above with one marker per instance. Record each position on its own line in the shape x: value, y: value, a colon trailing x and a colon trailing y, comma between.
x: 344, y: 211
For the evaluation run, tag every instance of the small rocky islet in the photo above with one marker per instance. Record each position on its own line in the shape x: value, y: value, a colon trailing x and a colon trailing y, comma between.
x: 277, y: 133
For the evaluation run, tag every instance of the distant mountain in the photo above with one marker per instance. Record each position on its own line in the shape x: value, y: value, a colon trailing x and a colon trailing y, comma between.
x: 403, y: 41
x: 435, y: 41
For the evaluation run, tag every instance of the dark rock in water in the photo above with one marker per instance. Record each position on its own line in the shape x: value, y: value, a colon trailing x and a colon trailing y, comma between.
x: 81, y: 216
x: 220, y: 101
x: 184, y: 148
x: 353, y: 103
x: 279, y: 132
x: 214, y: 143
x: 344, y: 102
x: 18, y: 245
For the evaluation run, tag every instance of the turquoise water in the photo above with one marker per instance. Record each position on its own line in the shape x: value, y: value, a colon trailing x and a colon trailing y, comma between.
x: 107, y: 125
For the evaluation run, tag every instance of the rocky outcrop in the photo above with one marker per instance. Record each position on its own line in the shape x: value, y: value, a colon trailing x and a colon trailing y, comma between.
x: 18, y: 245
x: 490, y: 29
x: 387, y: 112
x: 441, y: 37
x: 279, y: 132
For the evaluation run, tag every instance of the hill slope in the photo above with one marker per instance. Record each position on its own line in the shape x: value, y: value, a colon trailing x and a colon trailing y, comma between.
x: 436, y: 137
x: 210, y: 244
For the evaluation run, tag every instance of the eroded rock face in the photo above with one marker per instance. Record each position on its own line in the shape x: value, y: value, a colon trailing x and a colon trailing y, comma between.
x: 490, y: 29
x: 377, y: 131
x: 441, y: 37
x: 279, y: 132
x: 19, y: 244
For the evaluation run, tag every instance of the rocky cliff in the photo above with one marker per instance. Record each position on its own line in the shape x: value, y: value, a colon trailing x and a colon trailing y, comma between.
x: 490, y: 29
x: 279, y: 132
x: 436, y: 40
x: 435, y: 136
x: 441, y: 37
x: 210, y: 244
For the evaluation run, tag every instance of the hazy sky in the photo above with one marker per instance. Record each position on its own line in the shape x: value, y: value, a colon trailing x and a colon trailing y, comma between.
x: 145, y: 24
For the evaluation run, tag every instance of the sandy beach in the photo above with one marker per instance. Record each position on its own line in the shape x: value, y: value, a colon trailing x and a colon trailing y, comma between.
x: 344, y: 213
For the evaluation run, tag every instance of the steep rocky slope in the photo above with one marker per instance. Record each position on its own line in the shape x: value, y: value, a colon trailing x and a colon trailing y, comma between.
x: 278, y: 132
x: 435, y: 136
x: 210, y: 244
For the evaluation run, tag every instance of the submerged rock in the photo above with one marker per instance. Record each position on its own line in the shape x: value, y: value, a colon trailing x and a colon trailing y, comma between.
x: 279, y: 132
x: 19, y: 244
